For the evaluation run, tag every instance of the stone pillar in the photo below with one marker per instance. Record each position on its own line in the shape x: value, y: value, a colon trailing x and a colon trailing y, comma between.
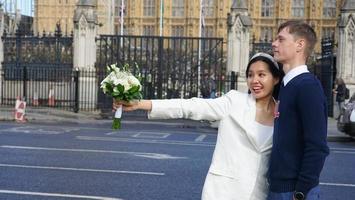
x: 85, y: 31
x: 239, y: 24
x: 346, y: 44
x: 85, y: 21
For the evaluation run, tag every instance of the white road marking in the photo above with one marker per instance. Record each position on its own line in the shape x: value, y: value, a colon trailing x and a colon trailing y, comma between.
x: 111, y: 133
x: 56, y: 195
x: 342, y: 149
x: 151, y: 135
x: 138, y: 154
x: 171, y: 142
x: 200, y: 138
x: 82, y: 169
x: 344, y: 152
x: 338, y: 184
x: 40, y: 129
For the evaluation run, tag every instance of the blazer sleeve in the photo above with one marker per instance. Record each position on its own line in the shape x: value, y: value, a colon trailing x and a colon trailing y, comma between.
x: 194, y: 108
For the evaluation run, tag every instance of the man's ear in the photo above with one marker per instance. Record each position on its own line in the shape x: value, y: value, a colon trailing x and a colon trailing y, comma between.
x: 300, y: 45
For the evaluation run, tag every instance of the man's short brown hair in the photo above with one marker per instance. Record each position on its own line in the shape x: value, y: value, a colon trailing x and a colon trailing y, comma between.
x: 300, y: 29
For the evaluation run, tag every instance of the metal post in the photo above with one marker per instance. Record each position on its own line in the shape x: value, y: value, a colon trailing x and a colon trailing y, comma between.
x: 24, y: 82
x: 76, y: 97
x: 160, y: 68
x: 233, y: 81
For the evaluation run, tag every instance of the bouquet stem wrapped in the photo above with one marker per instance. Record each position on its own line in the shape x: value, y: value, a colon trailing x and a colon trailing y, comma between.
x: 116, y: 124
x: 122, y: 85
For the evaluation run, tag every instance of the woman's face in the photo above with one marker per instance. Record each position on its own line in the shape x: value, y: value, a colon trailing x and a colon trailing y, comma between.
x: 260, y: 80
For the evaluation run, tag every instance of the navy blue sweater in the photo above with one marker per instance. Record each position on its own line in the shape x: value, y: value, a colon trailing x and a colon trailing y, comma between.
x: 300, y: 133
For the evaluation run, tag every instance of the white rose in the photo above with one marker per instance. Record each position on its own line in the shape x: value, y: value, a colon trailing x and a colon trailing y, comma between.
x: 134, y: 81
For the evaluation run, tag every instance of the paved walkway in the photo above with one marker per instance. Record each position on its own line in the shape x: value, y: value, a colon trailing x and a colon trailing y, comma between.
x: 51, y: 115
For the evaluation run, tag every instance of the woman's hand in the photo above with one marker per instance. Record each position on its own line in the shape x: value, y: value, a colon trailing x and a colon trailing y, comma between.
x: 133, y: 105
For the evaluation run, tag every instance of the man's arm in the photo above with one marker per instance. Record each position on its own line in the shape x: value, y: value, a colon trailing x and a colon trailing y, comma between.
x: 312, y: 108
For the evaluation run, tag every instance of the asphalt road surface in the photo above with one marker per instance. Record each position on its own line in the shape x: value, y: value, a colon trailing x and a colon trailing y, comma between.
x: 142, y: 161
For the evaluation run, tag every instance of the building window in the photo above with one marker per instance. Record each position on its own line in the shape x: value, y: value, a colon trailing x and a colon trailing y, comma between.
x: 148, y: 30
x: 328, y: 32
x: 149, y: 8
x: 266, y: 34
x: 177, y: 31
x: 267, y: 8
x: 178, y: 8
x: 208, y: 8
x: 329, y: 8
x: 297, y: 8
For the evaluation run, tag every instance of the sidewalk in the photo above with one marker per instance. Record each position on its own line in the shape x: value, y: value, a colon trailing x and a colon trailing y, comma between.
x: 57, y: 116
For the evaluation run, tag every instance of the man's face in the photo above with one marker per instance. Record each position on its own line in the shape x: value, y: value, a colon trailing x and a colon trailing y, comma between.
x: 284, y: 47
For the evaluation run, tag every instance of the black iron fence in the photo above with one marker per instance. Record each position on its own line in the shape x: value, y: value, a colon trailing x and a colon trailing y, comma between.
x: 171, y: 67
x: 41, y: 87
x: 76, y: 90
x: 46, y: 51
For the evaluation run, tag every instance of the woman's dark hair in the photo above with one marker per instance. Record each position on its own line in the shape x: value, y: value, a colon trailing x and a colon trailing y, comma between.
x: 276, y: 72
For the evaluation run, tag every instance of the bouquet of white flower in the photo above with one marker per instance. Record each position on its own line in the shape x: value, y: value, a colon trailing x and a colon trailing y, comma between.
x: 122, y: 85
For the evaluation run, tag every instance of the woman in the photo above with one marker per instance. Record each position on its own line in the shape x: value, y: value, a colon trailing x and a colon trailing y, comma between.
x: 340, y: 94
x: 240, y: 159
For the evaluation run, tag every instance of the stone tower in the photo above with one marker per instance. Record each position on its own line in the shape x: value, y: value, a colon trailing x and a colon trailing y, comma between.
x: 85, y: 22
x: 346, y: 44
x: 239, y: 26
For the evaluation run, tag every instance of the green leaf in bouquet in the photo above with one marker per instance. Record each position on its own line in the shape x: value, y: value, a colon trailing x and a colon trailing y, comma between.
x: 120, y: 88
x: 108, y: 88
x: 133, y: 89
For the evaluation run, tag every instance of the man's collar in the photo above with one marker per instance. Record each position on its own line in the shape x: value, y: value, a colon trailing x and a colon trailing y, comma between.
x: 294, y: 72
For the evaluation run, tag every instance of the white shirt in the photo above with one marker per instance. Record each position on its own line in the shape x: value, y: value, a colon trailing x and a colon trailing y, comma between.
x: 262, y: 133
x: 294, y: 72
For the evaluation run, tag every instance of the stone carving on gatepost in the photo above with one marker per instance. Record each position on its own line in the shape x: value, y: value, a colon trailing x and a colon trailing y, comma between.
x: 346, y: 44
x: 84, y: 41
x: 239, y: 26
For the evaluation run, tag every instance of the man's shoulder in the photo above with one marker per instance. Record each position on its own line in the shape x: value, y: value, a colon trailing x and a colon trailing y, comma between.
x: 306, y: 79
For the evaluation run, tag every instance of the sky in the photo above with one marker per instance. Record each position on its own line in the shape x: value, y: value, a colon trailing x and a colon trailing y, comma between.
x: 24, y: 6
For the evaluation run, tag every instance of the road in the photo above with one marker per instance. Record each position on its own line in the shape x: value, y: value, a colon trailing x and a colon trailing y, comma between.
x: 150, y: 161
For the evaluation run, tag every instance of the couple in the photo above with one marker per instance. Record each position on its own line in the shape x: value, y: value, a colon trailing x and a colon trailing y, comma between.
x: 244, y: 166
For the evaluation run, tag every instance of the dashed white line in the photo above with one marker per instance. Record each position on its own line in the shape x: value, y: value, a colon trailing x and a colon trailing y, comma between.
x: 344, y: 152
x: 139, y: 154
x: 200, y: 138
x: 338, y: 184
x: 171, y: 142
x: 151, y: 135
x: 56, y: 195
x: 342, y: 149
x: 82, y: 169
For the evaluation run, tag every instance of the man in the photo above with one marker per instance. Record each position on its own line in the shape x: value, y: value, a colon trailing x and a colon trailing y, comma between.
x: 300, y: 130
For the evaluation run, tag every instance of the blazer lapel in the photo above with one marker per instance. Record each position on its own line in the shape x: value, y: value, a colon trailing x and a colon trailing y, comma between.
x: 245, y: 119
x: 267, y: 145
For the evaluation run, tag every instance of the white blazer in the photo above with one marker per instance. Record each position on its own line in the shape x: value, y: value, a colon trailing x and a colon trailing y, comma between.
x: 238, y: 169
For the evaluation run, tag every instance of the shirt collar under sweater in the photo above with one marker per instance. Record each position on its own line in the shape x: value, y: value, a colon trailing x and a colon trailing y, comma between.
x: 294, y: 72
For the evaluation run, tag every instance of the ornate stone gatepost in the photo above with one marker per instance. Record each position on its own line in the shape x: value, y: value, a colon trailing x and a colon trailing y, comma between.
x: 85, y: 23
x: 239, y: 24
x: 346, y: 45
